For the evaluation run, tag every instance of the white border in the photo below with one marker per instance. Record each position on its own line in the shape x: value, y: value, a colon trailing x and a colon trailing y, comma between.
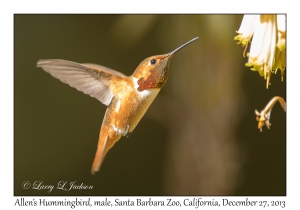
x: 8, y: 8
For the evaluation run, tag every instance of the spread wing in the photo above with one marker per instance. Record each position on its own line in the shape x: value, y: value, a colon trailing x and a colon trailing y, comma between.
x: 92, y: 79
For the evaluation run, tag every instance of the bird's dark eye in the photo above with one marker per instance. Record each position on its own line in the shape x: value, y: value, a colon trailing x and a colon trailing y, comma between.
x: 153, y: 61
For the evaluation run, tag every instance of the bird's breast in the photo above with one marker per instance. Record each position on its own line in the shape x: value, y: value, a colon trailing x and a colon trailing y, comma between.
x: 128, y: 106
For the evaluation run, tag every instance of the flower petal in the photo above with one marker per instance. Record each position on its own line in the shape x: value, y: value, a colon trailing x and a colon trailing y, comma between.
x: 247, y: 28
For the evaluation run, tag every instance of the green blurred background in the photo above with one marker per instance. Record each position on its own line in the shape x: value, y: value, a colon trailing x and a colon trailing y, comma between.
x: 199, y: 137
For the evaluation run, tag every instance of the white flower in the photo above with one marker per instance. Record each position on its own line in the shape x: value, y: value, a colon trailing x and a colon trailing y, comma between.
x: 267, y: 53
x: 246, y: 29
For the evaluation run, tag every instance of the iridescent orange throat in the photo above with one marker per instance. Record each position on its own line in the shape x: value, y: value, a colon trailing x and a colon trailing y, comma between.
x: 154, y: 80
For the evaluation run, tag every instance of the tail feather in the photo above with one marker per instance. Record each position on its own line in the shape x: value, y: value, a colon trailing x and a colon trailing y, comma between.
x: 99, y: 154
x: 107, y: 139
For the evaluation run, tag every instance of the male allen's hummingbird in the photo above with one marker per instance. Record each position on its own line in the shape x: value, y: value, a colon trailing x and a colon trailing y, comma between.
x: 127, y: 98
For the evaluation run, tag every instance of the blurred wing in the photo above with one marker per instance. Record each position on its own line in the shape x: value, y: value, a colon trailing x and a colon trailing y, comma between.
x: 91, y: 79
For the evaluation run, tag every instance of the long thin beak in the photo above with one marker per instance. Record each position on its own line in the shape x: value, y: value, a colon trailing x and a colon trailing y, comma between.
x: 171, y: 53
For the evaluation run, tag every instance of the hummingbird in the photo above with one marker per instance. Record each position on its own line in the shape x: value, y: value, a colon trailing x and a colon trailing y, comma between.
x: 127, y: 97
